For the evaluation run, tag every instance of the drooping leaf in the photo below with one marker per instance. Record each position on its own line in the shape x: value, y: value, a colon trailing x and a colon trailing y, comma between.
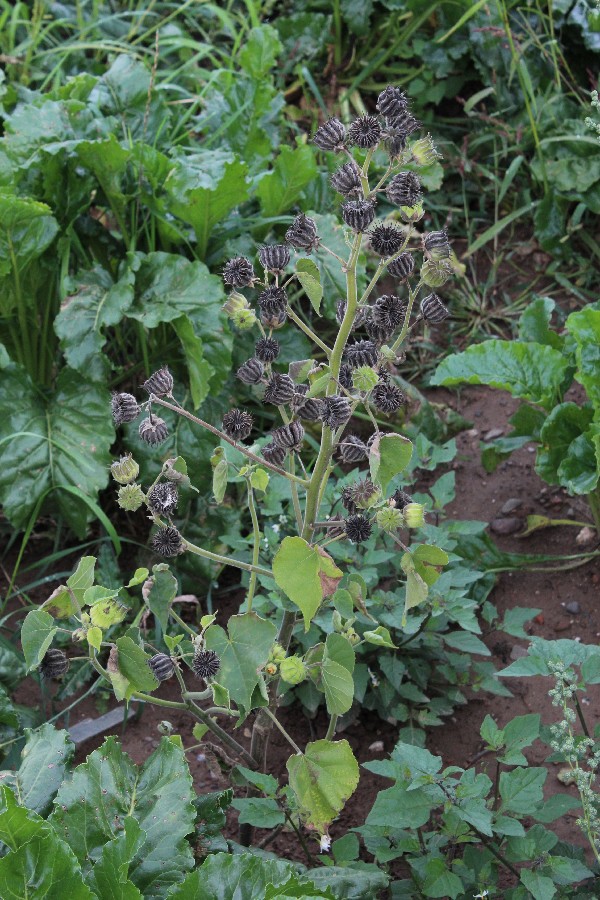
x: 37, y: 633
x: 584, y: 325
x: 323, y: 778
x: 416, y: 587
x: 389, y: 455
x: 534, y: 324
x: 243, y: 650
x: 44, y: 866
x: 296, y: 568
x: 44, y: 760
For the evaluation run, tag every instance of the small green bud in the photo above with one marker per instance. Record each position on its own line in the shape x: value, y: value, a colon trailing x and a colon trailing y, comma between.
x: 336, y: 621
x: 435, y: 273
x: 364, y: 378
x: 236, y: 302
x: 412, y: 213
x: 125, y: 470
x: 244, y: 319
x: 389, y: 519
x: 271, y: 668
x: 352, y: 636
x: 424, y: 152
x: 293, y: 670
x: 165, y: 727
x: 414, y: 515
x: 131, y: 497
x: 277, y: 653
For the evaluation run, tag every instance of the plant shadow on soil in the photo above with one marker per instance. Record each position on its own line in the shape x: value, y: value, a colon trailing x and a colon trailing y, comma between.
x: 479, y: 496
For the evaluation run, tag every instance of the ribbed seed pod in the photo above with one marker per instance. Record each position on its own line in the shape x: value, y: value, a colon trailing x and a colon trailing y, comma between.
x: 124, y: 407
x: 130, y: 497
x: 279, y: 389
x: 162, y: 666
x: 358, y: 214
x: 365, y: 132
x: 275, y: 319
x: 433, y: 310
x: 387, y: 397
x: 401, y: 499
x: 54, y: 664
x: 238, y: 272
x: 361, y: 315
x: 392, y: 102
x: 330, y: 136
x: 273, y: 454
x: 162, y: 498
x: 436, y: 245
x: 388, y: 311
x: 237, y: 424
x: 358, y: 528
x: 363, y: 491
x: 274, y: 258
x: 352, y: 449
x: 346, y: 180
x: 206, y: 663
x: 404, y: 189
x: 402, y: 267
x: 302, y: 233
x: 361, y: 353
x: 167, y: 541
x: 336, y: 411
x: 379, y: 334
x: 272, y: 299
x: 386, y: 239
x: 289, y: 437
x: 267, y: 349
x: 160, y: 384
x: 251, y: 371
x: 153, y: 430
x: 310, y: 409
x: 398, y: 129
x: 345, y: 376
x: 125, y: 470
x: 347, y: 498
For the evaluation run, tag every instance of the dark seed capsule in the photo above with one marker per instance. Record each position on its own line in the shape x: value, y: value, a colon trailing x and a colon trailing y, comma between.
x: 388, y: 311
x: 401, y: 499
x: 251, y: 371
x: 267, y: 349
x: 358, y: 214
x: 347, y: 498
x: 302, y: 233
x: 402, y: 267
x: 386, y: 239
x: 392, y: 102
x: 363, y: 490
x: 436, y: 245
x: 274, y: 258
x: 237, y: 424
x: 167, y: 541
x: 273, y: 454
x: 330, y: 136
x: 238, y: 272
x: 361, y: 315
x: 361, y: 353
x: 387, y: 397
x: 206, y: 663
x: 433, y: 310
x: 352, y: 449
x: 162, y: 498
x: 289, y: 437
x: 397, y: 131
x: 54, y: 664
x: 379, y: 334
x: 272, y: 299
x: 153, y: 430
x: 336, y: 411
x: 345, y: 376
x: 274, y: 319
x: 365, y: 132
x: 160, y: 384
x: 404, y: 189
x: 125, y: 408
x: 280, y: 389
x: 162, y: 666
x: 310, y: 409
x: 358, y: 528
x: 346, y: 180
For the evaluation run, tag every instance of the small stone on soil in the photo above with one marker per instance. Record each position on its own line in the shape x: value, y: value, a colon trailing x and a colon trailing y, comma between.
x: 493, y: 433
x: 585, y: 536
x: 506, y: 525
x: 563, y: 625
x: 573, y: 607
x: 510, y: 506
x: 376, y: 747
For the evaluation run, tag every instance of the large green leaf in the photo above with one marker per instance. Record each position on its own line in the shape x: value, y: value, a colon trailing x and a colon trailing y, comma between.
x: 521, y: 789
x: 91, y: 810
x: 322, y: 778
x: 44, y: 760
x: 530, y: 371
x: 389, y: 455
x: 36, y: 636
x: 580, y: 470
x: 243, y: 652
x: 110, y: 876
x: 400, y: 808
x: 584, y: 325
x: 60, y: 441
x: 133, y: 664
x: 279, y: 189
x: 259, y: 50
x: 26, y: 229
x: 224, y: 876
x: 566, y: 423
x: 296, y: 568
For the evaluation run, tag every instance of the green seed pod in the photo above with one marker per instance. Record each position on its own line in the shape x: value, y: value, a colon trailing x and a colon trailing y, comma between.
x: 165, y: 728
x: 293, y: 670
x: 414, y: 515
x: 130, y: 497
x: 424, y: 152
x: 277, y: 653
x: 389, y: 519
x: 352, y: 636
x: 435, y: 273
x: 364, y: 378
x: 236, y: 302
x: 125, y: 470
x: 244, y: 319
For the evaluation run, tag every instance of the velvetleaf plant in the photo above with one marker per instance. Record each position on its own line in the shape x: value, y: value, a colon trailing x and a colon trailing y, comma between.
x: 241, y: 667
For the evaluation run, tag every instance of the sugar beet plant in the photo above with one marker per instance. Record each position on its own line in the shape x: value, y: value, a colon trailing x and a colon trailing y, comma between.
x: 240, y: 669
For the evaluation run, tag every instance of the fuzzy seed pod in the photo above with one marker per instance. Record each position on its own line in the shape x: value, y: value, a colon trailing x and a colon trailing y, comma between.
x: 280, y: 389
x: 160, y: 384
x: 436, y: 272
x: 206, y: 664
x: 433, y: 310
x: 347, y: 498
x: 274, y: 320
x: 360, y: 317
x: 153, y: 430
x: 336, y: 411
x: 352, y: 449
x: 310, y: 409
x: 402, y: 267
x: 330, y: 136
x: 414, y: 515
x: 267, y: 349
x: 365, y: 132
x: 251, y: 372
x: 167, y: 542
x: 130, y: 497
x: 361, y: 353
x: 125, y: 470
x: 345, y: 376
x: 272, y: 300
x: 358, y: 214
x: 388, y: 311
x: 274, y: 258
x: 358, y: 528
x: 238, y: 272
x: 162, y: 666
x: 125, y: 408
x: 401, y: 498
x: 365, y: 493
x: 424, y: 152
x: 54, y: 664
x: 237, y: 424
x: 398, y: 129
x: 404, y: 189
x: 389, y: 519
x: 293, y: 670
x: 379, y: 334
x: 273, y: 454
x: 387, y: 397
x: 289, y: 437
x: 392, y: 102
x: 436, y: 245
x: 346, y: 180
x: 386, y: 239
x: 302, y: 234
x: 162, y: 498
